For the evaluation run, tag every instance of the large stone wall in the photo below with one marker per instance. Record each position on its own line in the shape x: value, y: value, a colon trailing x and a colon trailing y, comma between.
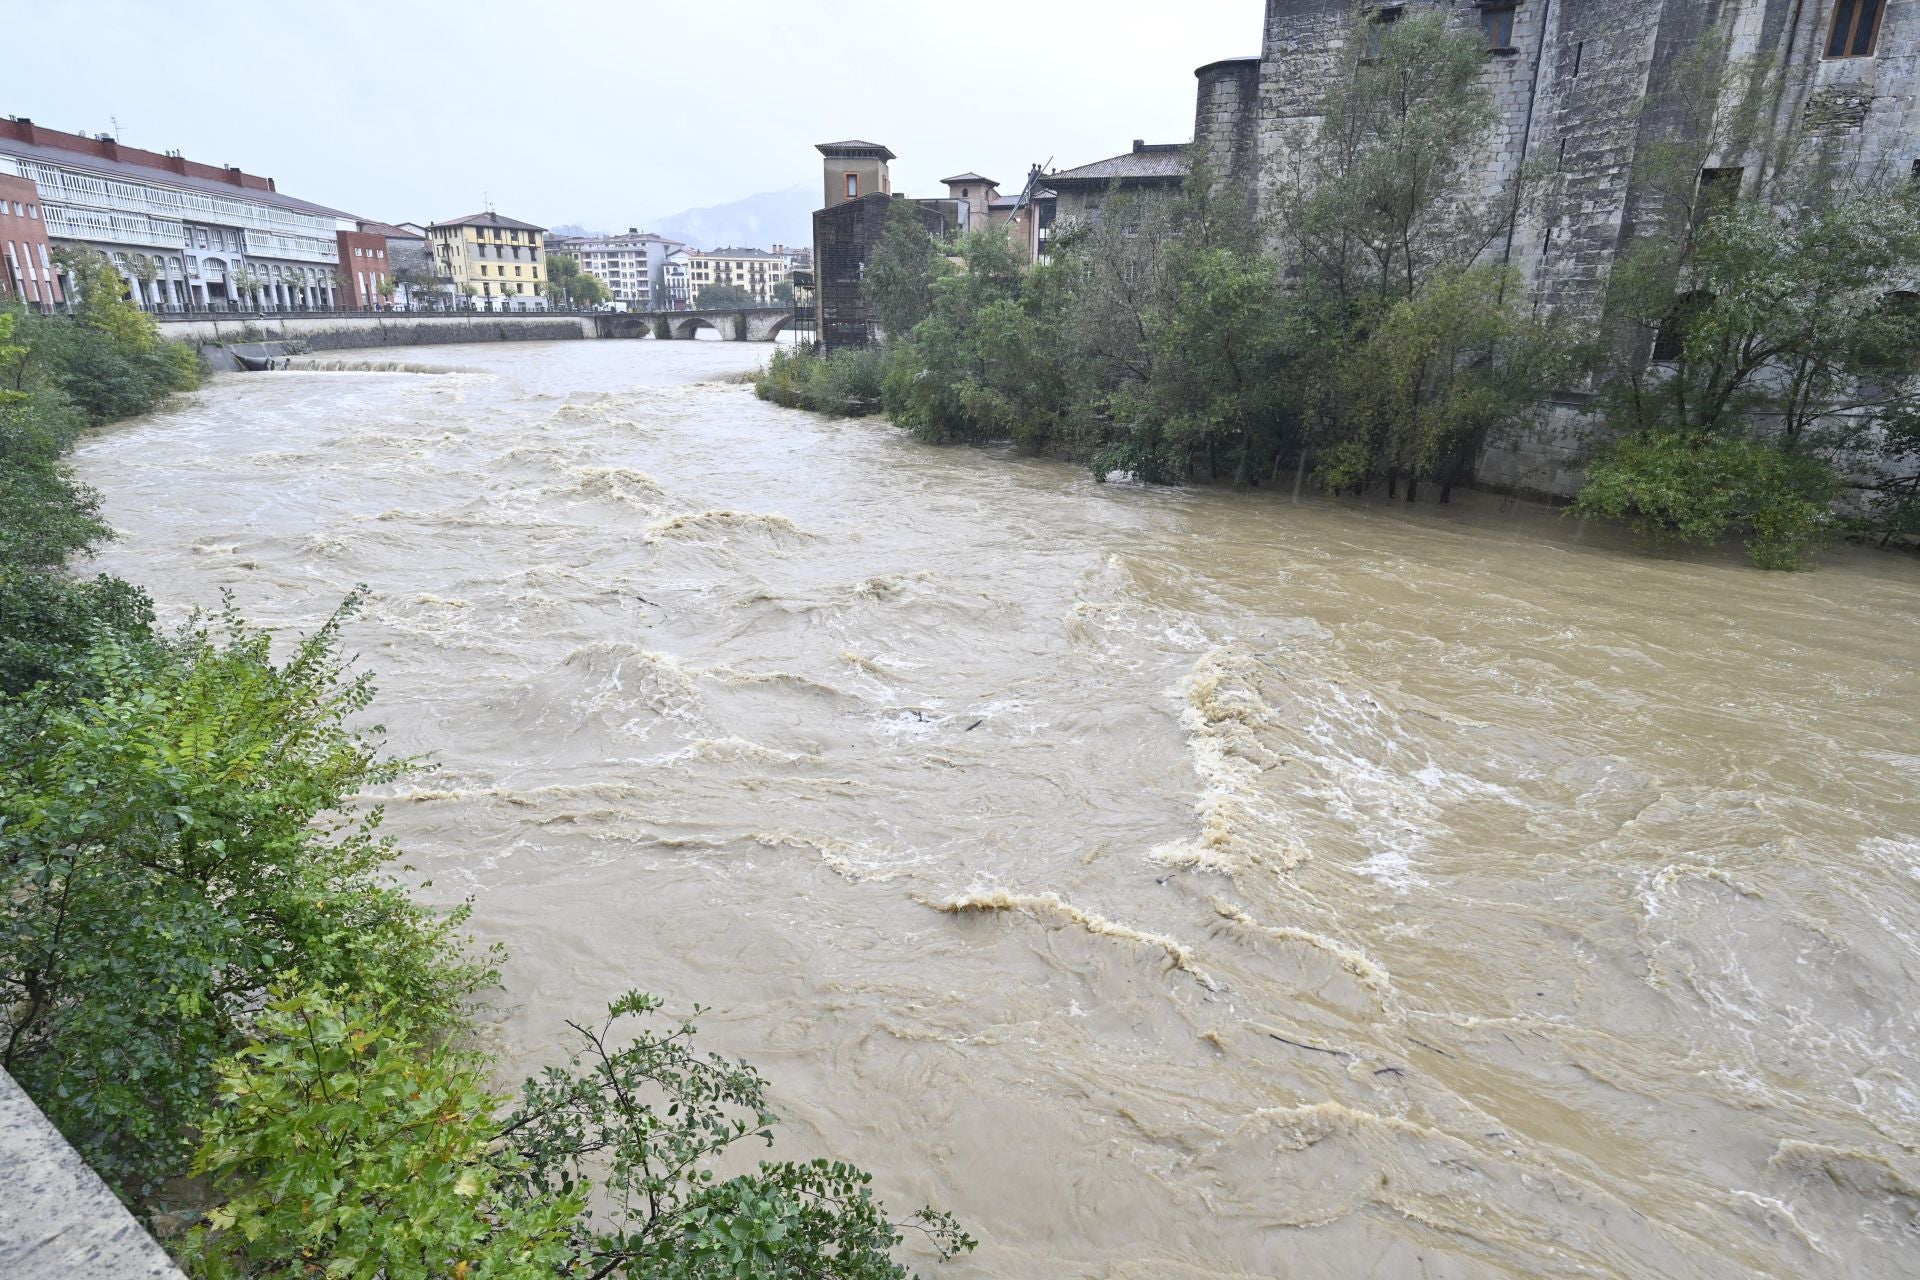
x: 1569, y: 97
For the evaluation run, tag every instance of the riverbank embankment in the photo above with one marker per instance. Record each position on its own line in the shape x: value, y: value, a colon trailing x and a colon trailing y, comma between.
x: 214, y: 337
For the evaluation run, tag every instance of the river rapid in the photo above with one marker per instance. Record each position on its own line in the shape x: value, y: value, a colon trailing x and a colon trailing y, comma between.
x: 1173, y: 884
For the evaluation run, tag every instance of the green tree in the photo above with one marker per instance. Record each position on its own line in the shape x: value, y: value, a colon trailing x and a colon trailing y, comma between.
x: 1377, y: 202
x: 1220, y: 346
x: 571, y: 284
x: 901, y: 271
x: 351, y: 1141
x: 1439, y: 375
x: 58, y: 376
x: 938, y: 370
x: 168, y: 847
x: 714, y: 297
x: 1397, y: 384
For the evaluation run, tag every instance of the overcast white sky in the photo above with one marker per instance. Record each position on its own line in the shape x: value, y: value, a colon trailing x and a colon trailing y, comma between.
x: 611, y: 112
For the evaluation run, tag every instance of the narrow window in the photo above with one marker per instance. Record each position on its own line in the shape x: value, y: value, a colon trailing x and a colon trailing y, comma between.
x: 1670, y: 343
x: 1579, y: 50
x: 853, y: 185
x: 1856, y: 28
x: 1719, y: 189
x: 1497, y: 21
x: 1377, y: 29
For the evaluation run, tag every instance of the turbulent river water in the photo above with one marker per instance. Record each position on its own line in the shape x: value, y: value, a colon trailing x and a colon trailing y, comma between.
x: 1174, y: 884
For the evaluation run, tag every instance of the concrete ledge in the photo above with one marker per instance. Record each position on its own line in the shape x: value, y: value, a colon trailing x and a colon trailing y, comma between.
x: 401, y: 329
x: 58, y: 1221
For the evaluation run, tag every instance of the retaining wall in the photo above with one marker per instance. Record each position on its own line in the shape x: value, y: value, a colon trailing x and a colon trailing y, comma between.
x: 339, y: 333
x: 58, y: 1221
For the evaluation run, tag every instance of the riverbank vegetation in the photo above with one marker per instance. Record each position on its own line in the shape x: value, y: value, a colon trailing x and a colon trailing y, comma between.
x: 1753, y: 372
x: 215, y: 982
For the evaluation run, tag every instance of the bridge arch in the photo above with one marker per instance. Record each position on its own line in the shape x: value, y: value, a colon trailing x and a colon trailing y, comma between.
x: 688, y: 329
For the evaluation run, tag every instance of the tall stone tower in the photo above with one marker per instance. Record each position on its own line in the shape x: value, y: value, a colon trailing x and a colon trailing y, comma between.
x: 855, y: 169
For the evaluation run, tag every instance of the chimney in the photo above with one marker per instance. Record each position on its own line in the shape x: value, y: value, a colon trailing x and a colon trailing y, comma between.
x: 27, y: 133
x: 1139, y: 145
x: 109, y: 146
x: 177, y: 162
x: 233, y: 174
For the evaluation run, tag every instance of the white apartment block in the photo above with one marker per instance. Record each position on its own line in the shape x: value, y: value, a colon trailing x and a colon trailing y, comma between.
x: 632, y: 266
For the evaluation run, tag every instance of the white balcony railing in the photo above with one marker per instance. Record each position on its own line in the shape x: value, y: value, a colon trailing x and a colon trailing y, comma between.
x: 273, y: 244
x: 71, y: 187
x: 113, y: 228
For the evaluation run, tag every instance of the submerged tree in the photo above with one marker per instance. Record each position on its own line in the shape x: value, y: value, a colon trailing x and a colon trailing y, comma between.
x: 1413, y: 355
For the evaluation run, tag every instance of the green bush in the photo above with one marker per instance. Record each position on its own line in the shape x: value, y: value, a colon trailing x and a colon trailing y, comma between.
x: 846, y: 384
x: 46, y: 400
x: 350, y: 1144
x: 169, y: 847
x: 1673, y: 486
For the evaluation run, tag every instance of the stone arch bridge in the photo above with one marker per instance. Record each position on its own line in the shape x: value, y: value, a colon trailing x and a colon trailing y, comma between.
x: 763, y: 324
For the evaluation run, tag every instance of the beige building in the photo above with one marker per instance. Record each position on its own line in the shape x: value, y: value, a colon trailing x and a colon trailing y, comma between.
x: 854, y: 170
x: 754, y: 270
x: 498, y: 263
x: 1026, y: 217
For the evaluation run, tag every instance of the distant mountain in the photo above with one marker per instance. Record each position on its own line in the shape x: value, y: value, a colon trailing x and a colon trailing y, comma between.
x: 757, y: 222
x: 568, y: 229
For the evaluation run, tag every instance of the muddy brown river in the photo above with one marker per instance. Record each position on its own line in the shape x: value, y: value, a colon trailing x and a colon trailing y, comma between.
x: 1173, y: 884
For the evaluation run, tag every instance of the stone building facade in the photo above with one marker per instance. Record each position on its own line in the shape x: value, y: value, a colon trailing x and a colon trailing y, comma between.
x: 1569, y: 78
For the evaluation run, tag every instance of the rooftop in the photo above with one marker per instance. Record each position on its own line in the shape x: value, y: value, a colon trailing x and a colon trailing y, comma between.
x: 1227, y: 62
x: 488, y: 219
x: 1156, y: 162
x: 855, y: 147
x: 25, y: 140
x: 969, y: 177
x: 388, y: 230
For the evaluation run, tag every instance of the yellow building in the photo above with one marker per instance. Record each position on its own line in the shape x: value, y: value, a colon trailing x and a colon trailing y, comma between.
x: 498, y: 263
x: 754, y: 270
